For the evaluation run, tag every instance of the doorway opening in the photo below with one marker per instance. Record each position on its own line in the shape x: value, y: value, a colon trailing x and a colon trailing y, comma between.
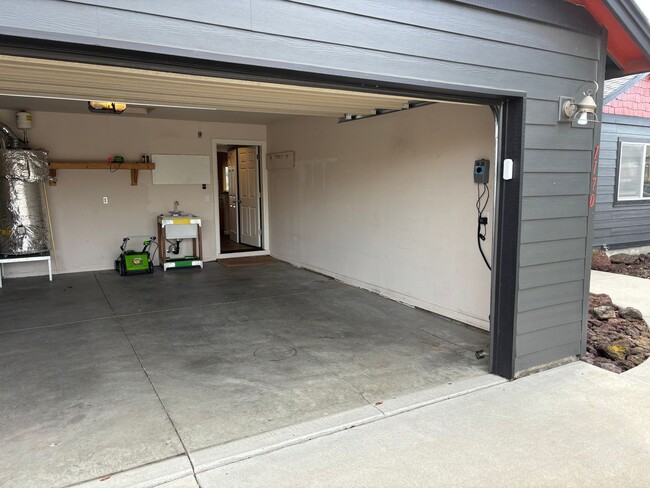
x: 238, y: 183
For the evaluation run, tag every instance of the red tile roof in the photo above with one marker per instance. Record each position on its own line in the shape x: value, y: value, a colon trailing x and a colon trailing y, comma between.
x: 632, y: 102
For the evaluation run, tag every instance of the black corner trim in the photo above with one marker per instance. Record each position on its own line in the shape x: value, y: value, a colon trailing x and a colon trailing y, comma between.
x: 507, y: 236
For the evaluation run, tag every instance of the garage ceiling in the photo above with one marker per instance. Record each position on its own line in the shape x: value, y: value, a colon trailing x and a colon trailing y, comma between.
x: 77, y: 81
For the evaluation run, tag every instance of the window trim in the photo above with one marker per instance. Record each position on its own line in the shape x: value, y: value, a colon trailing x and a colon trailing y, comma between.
x: 619, y: 154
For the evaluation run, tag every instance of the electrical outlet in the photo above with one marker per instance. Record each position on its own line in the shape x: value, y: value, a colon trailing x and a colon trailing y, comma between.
x: 105, y: 200
x: 207, y: 198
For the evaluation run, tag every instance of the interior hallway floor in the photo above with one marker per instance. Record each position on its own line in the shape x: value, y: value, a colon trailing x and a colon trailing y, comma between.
x: 228, y: 246
x: 101, y: 373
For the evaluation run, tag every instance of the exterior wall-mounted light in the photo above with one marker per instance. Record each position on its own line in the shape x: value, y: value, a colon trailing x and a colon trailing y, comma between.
x: 581, y: 108
x: 106, y: 107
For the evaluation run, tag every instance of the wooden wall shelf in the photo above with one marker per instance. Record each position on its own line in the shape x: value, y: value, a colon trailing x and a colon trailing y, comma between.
x: 134, y: 167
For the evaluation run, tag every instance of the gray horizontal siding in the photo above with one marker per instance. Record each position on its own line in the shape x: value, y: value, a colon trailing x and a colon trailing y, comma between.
x: 554, y: 184
x: 541, y: 112
x: 554, y: 315
x: 539, y: 137
x: 543, y: 49
x: 233, y: 13
x: 543, y: 207
x: 608, y: 152
x: 554, y: 273
x: 622, y: 122
x: 623, y: 241
x: 619, y: 224
x: 553, y: 294
x: 454, y: 18
x: 628, y: 232
x: 624, y: 223
x: 552, y: 337
x: 429, y: 14
x: 541, y: 357
x: 551, y: 252
x: 547, y: 160
x: 626, y: 212
x: 553, y: 229
x: 270, y: 16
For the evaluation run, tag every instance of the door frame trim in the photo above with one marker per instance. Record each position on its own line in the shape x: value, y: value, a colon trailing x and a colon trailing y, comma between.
x: 507, y: 238
x: 264, y: 190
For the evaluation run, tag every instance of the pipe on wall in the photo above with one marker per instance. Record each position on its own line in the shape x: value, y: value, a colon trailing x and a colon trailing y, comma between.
x: 13, y: 141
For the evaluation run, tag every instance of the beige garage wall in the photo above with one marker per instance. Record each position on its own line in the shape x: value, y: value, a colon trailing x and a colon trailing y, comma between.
x: 388, y: 204
x: 87, y: 233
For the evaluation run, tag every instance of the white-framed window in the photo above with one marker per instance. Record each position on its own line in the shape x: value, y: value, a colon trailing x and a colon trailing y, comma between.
x: 634, y: 171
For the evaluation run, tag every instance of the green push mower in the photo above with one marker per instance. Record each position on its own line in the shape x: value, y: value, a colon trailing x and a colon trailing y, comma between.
x: 135, y: 262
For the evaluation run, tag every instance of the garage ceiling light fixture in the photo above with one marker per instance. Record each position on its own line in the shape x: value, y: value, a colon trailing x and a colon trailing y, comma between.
x: 581, y: 108
x: 382, y: 111
x: 106, y: 107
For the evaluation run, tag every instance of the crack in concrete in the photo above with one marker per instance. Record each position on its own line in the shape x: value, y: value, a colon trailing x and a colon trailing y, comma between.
x: 359, y: 392
x: 144, y: 370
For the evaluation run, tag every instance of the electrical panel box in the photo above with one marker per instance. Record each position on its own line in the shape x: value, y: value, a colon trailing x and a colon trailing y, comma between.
x: 481, y: 170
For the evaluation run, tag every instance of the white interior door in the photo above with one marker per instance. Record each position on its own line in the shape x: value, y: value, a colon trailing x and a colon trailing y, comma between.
x: 233, y: 195
x: 249, y: 196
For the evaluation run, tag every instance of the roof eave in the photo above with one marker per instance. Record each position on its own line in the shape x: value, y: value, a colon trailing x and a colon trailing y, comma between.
x: 636, y: 25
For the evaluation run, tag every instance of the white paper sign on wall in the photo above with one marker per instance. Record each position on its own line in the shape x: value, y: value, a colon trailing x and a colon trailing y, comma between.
x: 281, y: 160
x: 181, y: 169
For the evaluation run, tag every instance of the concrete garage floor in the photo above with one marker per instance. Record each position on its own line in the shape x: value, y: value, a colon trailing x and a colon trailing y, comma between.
x: 100, y: 373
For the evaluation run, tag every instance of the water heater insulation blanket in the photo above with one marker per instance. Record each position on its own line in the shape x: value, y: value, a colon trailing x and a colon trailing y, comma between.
x: 23, y: 223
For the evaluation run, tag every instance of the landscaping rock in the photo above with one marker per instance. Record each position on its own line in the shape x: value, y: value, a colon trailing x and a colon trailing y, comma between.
x: 623, y: 258
x: 617, y: 339
x: 604, y: 312
x: 599, y: 299
x: 630, y: 313
x: 600, y: 261
x: 622, y: 263
x: 616, y: 351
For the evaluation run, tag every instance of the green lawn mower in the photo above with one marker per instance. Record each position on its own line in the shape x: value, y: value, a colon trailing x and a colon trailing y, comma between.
x: 135, y: 262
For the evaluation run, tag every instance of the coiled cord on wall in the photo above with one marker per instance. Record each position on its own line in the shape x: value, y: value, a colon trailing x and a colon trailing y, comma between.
x: 482, y: 221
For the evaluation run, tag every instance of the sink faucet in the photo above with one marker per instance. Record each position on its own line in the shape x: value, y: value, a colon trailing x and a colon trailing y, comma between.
x: 176, y: 206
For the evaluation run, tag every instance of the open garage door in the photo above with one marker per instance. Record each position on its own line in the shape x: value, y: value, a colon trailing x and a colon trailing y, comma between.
x: 33, y: 77
x: 377, y: 191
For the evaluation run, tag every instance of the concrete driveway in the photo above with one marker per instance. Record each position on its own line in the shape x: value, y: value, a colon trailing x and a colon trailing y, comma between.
x: 572, y: 426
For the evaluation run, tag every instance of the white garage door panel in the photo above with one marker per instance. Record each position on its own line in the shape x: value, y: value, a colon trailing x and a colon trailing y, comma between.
x: 79, y: 81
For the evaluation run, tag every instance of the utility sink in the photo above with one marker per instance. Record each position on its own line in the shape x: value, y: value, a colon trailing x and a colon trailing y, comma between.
x: 179, y: 218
